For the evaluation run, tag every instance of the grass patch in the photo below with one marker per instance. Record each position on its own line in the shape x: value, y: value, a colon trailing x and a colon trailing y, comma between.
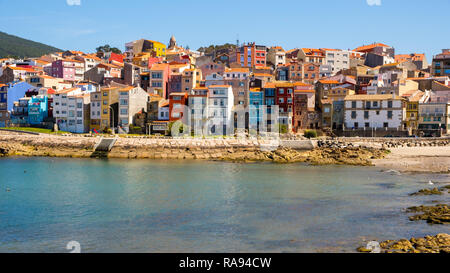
x: 35, y: 130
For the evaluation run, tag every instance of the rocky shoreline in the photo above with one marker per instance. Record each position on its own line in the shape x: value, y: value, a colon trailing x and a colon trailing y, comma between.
x: 439, y: 243
x: 438, y: 214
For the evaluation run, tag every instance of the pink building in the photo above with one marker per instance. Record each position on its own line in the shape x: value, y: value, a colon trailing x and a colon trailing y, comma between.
x: 71, y: 70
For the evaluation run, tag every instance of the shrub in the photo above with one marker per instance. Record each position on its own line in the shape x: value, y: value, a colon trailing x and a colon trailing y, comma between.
x: 283, y: 128
x: 310, y: 133
x: 107, y: 130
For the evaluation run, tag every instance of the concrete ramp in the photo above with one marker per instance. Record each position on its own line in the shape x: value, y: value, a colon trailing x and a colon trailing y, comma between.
x: 105, y: 144
x: 299, y: 144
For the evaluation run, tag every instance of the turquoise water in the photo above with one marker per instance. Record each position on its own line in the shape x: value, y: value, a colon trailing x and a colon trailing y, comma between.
x: 192, y: 206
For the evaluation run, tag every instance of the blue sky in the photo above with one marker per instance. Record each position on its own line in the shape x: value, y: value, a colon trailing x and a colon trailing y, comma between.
x: 408, y: 25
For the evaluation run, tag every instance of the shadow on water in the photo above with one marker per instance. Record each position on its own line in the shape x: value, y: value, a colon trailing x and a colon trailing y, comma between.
x: 102, y: 148
x: 99, y: 154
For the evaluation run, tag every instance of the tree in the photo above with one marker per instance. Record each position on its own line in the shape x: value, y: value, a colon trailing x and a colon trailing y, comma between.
x: 108, y: 48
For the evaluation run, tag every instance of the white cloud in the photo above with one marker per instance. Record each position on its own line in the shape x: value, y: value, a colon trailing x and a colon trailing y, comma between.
x: 73, y: 2
x: 373, y: 2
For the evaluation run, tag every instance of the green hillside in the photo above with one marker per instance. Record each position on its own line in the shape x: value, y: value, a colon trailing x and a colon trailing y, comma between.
x: 14, y: 46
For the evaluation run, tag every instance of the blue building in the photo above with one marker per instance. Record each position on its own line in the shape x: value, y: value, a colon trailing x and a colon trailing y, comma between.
x: 4, y: 114
x: 87, y: 87
x: 256, y: 102
x: 16, y: 91
x: 37, y: 109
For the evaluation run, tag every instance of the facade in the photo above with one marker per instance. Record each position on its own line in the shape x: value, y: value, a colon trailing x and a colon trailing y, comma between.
x: 67, y: 69
x: 251, y: 55
x: 434, y: 119
x: 37, y: 109
x: 418, y: 59
x: 284, y: 98
x: 63, y: 111
x: 159, y: 80
x: 276, y: 56
x: 238, y: 79
x: 412, y: 110
x: 177, y: 103
x: 156, y: 49
x: 14, y: 74
x: 104, y: 108
x: 255, y: 109
x: 190, y: 79
x: 132, y: 100
x: 441, y: 64
x: 337, y: 59
x: 4, y: 113
x: 19, y: 113
x: 374, y: 111
x: 198, y: 106
x: 219, y: 110
x: 78, y: 113
x: 15, y: 91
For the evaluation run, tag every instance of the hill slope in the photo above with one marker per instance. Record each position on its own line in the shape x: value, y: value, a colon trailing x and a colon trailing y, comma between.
x: 15, y: 46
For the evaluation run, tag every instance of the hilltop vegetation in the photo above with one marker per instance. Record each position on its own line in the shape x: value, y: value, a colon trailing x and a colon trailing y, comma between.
x: 212, y: 48
x: 16, y: 47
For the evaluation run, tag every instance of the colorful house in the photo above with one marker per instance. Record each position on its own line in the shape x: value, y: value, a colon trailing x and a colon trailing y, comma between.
x: 37, y: 109
x: 177, y: 101
x: 255, y: 109
x: 220, y: 106
x: 159, y: 79
x: 132, y: 100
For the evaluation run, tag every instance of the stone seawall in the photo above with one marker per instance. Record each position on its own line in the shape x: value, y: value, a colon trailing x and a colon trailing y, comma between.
x: 78, y: 146
x: 241, y: 150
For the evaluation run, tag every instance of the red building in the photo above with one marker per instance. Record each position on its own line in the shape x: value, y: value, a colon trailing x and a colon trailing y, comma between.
x: 177, y: 101
x: 116, y: 57
x: 251, y: 55
x: 284, y: 94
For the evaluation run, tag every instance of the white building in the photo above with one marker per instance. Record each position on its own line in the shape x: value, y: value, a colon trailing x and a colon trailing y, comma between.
x: 66, y: 110
x: 374, y: 111
x: 198, y: 102
x: 131, y: 101
x: 276, y: 56
x: 337, y: 59
x: 214, y: 79
x: 78, y: 113
x: 220, y: 106
x: 163, y: 110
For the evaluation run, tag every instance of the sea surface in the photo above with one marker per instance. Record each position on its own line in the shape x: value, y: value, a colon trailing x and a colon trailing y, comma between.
x: 196, y: 206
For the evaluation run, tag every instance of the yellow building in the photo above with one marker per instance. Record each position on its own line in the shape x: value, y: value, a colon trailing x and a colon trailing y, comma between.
x: 104, y: 108
x: 159, y: 48
x: 141, y: 59
x: 339, y: 93
x: 412, y: 110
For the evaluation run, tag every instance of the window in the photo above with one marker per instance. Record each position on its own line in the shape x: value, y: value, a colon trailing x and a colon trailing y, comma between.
x: 366, y: 114
x: 124, y: 111
x: 353, y: 104
x: 356, y: 125
x: 386, y: 125
x: 390, y: 104
x: 367, y: 124
x: 281, y: 91
x: 123, y: 102
x: 353, y: 114
x: 389, y: 114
